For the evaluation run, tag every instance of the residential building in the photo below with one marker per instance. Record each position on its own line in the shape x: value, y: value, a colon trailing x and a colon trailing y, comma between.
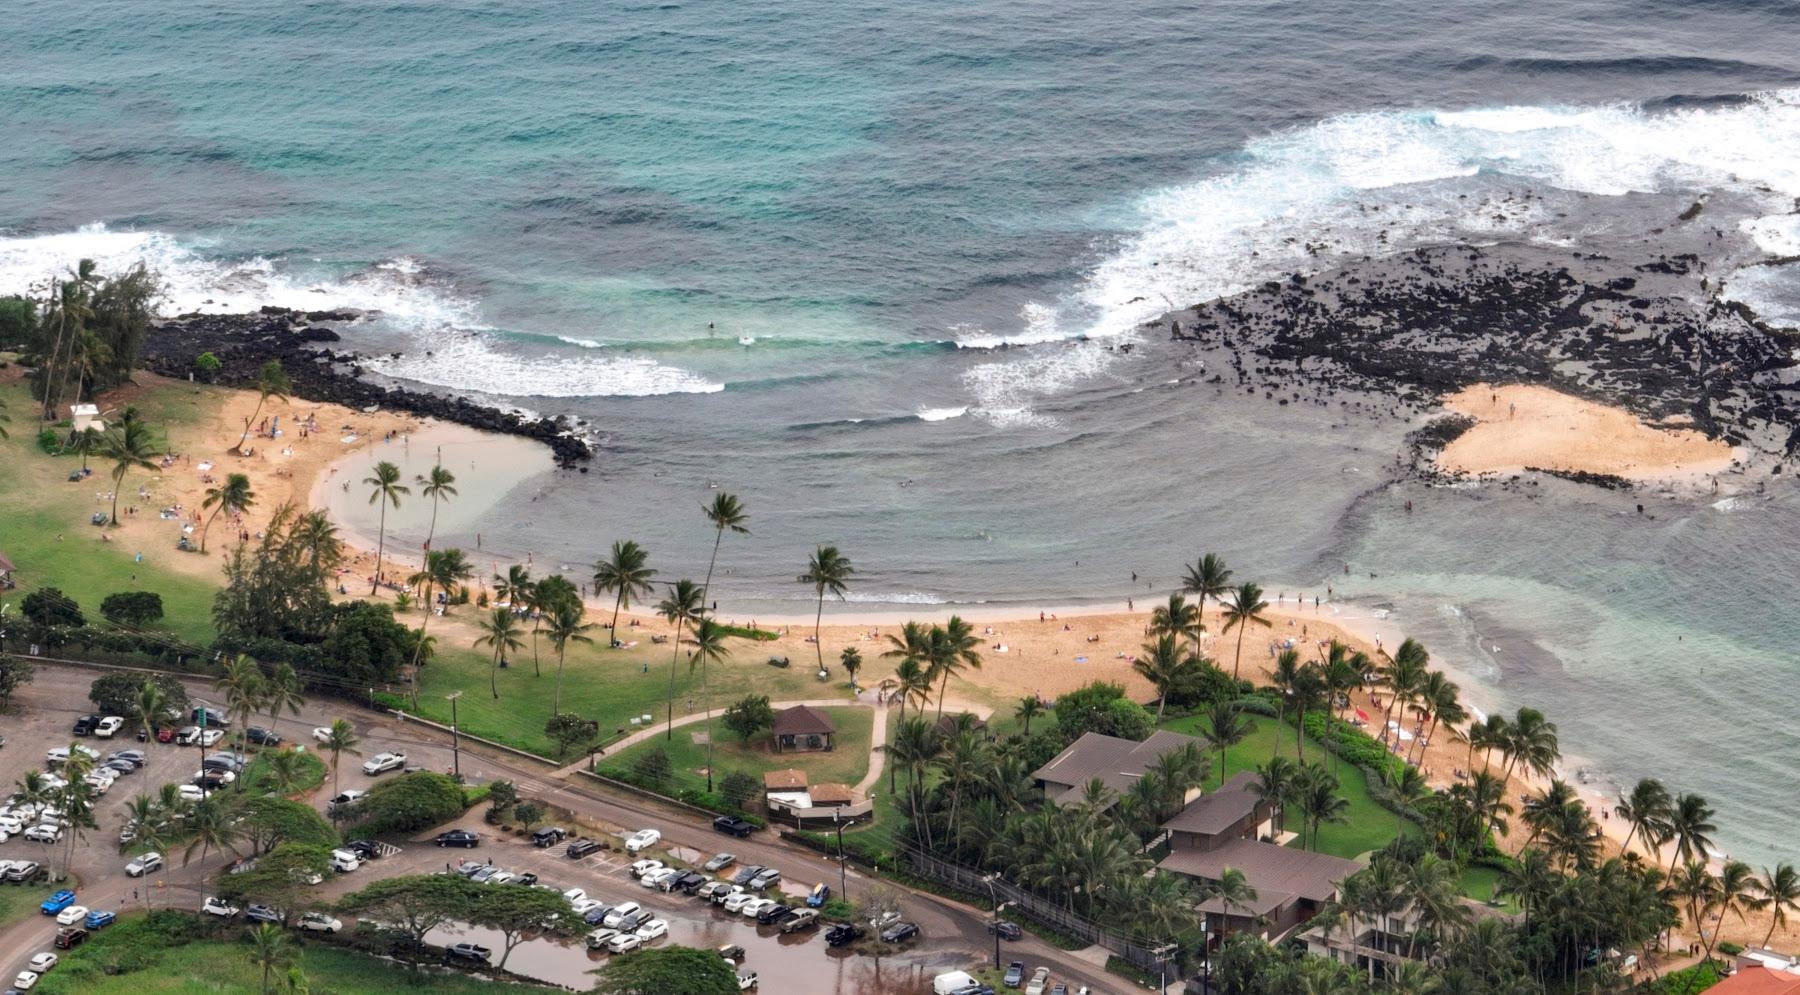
x: 1117, y: 763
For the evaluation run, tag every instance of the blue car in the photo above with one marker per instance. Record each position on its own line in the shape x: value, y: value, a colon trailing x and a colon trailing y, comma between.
x: 58, y: 902
x: 820, y: 895
x: 100, y: 919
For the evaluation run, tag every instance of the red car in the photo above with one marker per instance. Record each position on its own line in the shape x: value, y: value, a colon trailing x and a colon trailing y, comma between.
x: 165, y: 734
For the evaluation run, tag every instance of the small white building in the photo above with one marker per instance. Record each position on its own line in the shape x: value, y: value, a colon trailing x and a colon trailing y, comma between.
x: 86, y: 416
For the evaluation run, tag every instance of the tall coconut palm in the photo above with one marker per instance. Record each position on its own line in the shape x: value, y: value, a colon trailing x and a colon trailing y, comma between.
x: 1738, y: 894
x: 242, y: 685
x: 211, y: 825
x: 1244, y: 606
x: 500, y: 630
x: 271, y: 381
x: 625, y: 573
x: 708, y: 640
x: 914, y: 745
x: 316, y: 540
x: 1531, y: 744
x: 1029, y: 707
x: 1225, y: 727
x: 828, y: 571
x: 1780, y: 891
x: 683, y: 605
x: 952, y: 650
x: 1277, y: 782
x: 1309, y: 691
x: 542, y: 598
x: 234, y: 494
x: 1162, y: 663
x: 152, y: 706
x: 1442, y: 700
x: 283, y: 771
x: 1282, y: 678
x: 131, y: 446
x: 514, y: 587
x: 385, y: 489
x: 438, y: 485
x: 1691, y: 828
x: 444, y: 570
x: 725, y: 513
x: 85, y: 443
x: 340, y: 739
x: 913, y: 644
x: 852, y: 661
x: 1646, y: 810
x: 566, y: 626
x: 1319, y: 799
x: 1207, y: 580
x: 282, y: 690
x: 1232, y: 891
x: 270, y: 950
x: 1403, y: 675
x: 1177, y: 618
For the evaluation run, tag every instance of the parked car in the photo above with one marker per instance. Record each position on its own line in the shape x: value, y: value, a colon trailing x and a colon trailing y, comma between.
x: 817, y: 898
x: 899, y: 932
x: 108, y: 726
x: 69, y: 937
x: 773, y: 913
x: 654, y: 929
x: 527, y: 878
x: 71, y: 915
x: 642, y: 840
x: 134, y: 756
x: 723, y: 896
x: 100, y: 919
x: 719, y: 862
x: 1006, y: 930
x: 686, y: 882
x: 165, y: 734
x: 383, y: 762
x: 457, y: 837
x: 213, y: 780
x: 225, y: 760
x: 599, y: 938
x: 44, y: 834
x: 263, y: 913
x: 24, y: 870
x: 25, y: 981
x: 642, y: 867
x: 219, y: 907
x: 322, y: 734
x: 1039, y: 981
x: 767, y: 879
x: 624, y: 943
x: 548, y: 836
x: 469, y: 953
x: 733, y: 825
x: 574, y: 895
x: 596, y: 915
x: 84, y: 726
x: 57, y: 902
x: 839, y: 934
x: 345, y: 861
x: 318, y: 922
x: 732, y: 952
x: 799, y: 919
x: 618, y: 914
x: 753, y: 905
x: 262, y: 737
x: 344, y: 800
x: 583, y: 847
x: 192, y: 793
x: 204, y: 737
x: 745, y: 873
x: 1015, y: 974
x: 655, y: 878
x: 206, y: 715
x: 747, y: 981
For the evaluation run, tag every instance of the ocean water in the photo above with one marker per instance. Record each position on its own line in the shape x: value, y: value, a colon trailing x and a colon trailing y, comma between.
x: 878, y: 268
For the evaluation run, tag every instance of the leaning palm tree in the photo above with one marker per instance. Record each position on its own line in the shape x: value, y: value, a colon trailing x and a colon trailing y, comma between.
x: 282, y: 690
x: 86, y: 442
x: 1646, y: 811
x: 271, y: 381
x: 683, y: 605
x: 829, y: 573
x: 1780, y: 891
x: 724, y: 513
x: 1207, y: 580
x: 566, y: 626
x: 1225, y: 727
x: 444, y: 570
x: 625, y: 573
x: 1278, y: 782
x: 386, y: 489
x: 1320, y: 801
x: 339, y: 740
x: 1177, y: 618
x: 500, y: 630
x: 211, y: 825
x: 1442, y: 700
x: 271, y: 950
x: 543, y: 598
x: 1403, y: 675
x: 130, y: 446
x: 1691, y: 828
x: 1531, y: 744
x: 1243, y: 609
x: 439, y: 485
x: 514, y: 586
x: 708, y: 640
x: 1162, y: 663
x: 234, y: 494
x: 952, y: 649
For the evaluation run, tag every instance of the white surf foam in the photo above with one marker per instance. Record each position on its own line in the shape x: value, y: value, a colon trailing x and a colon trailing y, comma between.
x: 470, y: 362
x: 942, y: 414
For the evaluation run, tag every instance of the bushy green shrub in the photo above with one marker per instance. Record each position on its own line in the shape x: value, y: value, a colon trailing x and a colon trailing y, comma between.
x: 407, y: 804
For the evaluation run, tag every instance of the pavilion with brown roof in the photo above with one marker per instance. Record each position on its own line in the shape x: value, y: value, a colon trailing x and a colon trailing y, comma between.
x: 831, y: 793
x: 785, y: 780
x: 802, y: 728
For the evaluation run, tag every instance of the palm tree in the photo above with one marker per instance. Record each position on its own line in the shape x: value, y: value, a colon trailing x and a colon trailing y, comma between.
x: 85, y: 443
x: 708, y: 641
x: 1225, y: 727
x: 282, y: 689
x: 1319, y: 799
x: 1283, y: 678
x: 1403, y: 675
x: 724, y: 513
x: 1232, y: 890
x: 339, y: 740
x: 439, y: 485
x: 1691, y: 826
x: 912, y: 645
x: 1780, y: 891
x: 1530, y: 742
x: 1029, y: 708
x: 625, y: 573
x: 851, y: 658
x: 444, y: 569
x: 242, y: 684
x: 211, y: 825
x: 514, y: 587
x: 829, y: 573
x: 1162, y: 663
x: 1442, y: 701
x: 271, y: 950
x: 317, y: 539
x: 1179, y: 619
x: 1646, y: 811
x: 914, y: 681
x: 1276, y: 783
x: 271, y: 381
x: 283, y: 767
x: 914, y: 746
x: 1207, y: 580
x: 952, y: 648
x: 683, y: 605
x: 152, y: 706
x: 501, y: 631
x: 130, y: 446
x: 566, y: 626
x: 1243, y: 610
x: 1409, y: 790
x: 386, y: 490
x: 1738, y: 891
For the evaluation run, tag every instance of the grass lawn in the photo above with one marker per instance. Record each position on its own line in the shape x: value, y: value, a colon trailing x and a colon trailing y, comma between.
x: 171, y: 961
x: 311, y: 767
x: 845, y: 765
x: 1367, y: 826
x: 609, y: 686
x: 1479, y: 883
x: 18, y: 902
x: 38, y: 504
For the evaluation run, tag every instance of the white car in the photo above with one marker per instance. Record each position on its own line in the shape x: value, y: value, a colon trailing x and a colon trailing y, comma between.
x: 191, y: 793
x: 44, y: 834
x: 318, y: 922
x: 618, y: 914
x: 600, y: 938
x: 1040, y: 979
x: 753, y: 908
x: 210, y: 736
x: 501, y: 877
x: 624, y: 943
x: 42, y: 962
x: 221, y: 776
x: 10, y: 825
x: 586, y: 905
x: 653, y: 929
x: 322, y: 734
x: 658, y: 876
x: 220, y: 908
x: 574, y: 895
x: 27, y: 979
x: 345, y: 861
x: 71, y: 915
x: 642, y: 840
x: 144, y: 864
x: 736, y: 902
x: 383, y: 762
x: 645, y: 866
x: 108, y: 726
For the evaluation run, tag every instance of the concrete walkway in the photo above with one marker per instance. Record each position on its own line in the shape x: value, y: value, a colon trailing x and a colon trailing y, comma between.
x: 643, y: 735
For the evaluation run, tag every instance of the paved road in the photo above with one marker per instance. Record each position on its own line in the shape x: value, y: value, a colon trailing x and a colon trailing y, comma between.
x: 49, y: 704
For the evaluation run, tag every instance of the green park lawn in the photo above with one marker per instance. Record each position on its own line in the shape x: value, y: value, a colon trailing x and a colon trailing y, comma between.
x: 38, y: 504
x: 18, y: 902
x: 1367, y: 826
x: 312, y: 773
x: 845, y: 765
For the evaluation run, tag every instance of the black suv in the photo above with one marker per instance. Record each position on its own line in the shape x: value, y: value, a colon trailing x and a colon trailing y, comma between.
x: 774, y: 914
x: 263, y: 737
x: 734, y: 826
x: 1007, y: 930
x: 548, y: 836
x: 365, y: 849
x: 842, y: 933
x: 84, y: 726
x: 581, y: 848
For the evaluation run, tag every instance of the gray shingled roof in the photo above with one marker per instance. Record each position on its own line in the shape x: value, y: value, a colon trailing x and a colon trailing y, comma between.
x: 1116, y: 762
x: 1217, y: 811
x: 1276, y: 872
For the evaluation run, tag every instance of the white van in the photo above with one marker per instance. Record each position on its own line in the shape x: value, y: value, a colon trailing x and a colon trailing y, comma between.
x: 951, y: 981
x: 344, y: 860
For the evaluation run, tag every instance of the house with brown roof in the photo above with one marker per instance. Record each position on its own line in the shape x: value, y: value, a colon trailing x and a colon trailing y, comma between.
x: 1117, y: 763
x: 802, y: 729
x: 791, y: 779
x: 831, y: 793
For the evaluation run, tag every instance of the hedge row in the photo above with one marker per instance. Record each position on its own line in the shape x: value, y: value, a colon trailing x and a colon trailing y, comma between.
x: 711, y: 801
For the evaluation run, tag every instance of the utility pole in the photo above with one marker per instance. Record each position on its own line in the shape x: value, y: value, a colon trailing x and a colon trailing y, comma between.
x: 455, y: 739
x: 843, y: 867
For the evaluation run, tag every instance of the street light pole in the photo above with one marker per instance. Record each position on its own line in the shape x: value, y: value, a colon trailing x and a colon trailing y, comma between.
x: 843, y: 867
x: 455, y: 739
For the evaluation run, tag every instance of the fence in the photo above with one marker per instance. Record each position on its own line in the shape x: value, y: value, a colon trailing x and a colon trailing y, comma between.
x: 1142, y: 955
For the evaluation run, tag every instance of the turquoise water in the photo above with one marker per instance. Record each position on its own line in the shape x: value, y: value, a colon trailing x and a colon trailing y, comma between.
x: 873, y: 266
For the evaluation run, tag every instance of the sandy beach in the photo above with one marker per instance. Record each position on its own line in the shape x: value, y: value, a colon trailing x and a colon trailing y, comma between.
x: 1519, y: 426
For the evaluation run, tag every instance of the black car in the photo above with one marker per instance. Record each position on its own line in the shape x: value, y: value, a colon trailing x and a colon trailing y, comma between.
x: 263, y: 737
x: 526, y: 879
x: 774, y: 914
x: 744, y: 874
x: 842, y: 933
x: 899, y: 932
x: 70, y: 937
x: 211, y: 780
x: 688, y: 882
x: 583, y: 847
x: 472, y: 953
x: 364, y: 849
x: 1007, y: 930
x: 731, y: 952
x: 458, y: 837
x: 733, y: 826
x: 548, y: 836
x: 263, y: 913
x: 84, y: 726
